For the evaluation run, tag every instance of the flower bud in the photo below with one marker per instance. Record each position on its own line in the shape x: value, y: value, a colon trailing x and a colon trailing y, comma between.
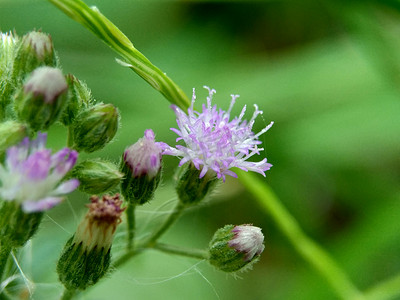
x: 17, y: 226
x: 97, y: 176
x: 79, y: 98
x: 233, y: 248
x: 141, y: 165
x: 191, y: 189
x: 8, y: 46
x: 35, y: 50
x: 42, y: 98
x: 95, y: 127
x: 86, y: 255
x: 11, y: 133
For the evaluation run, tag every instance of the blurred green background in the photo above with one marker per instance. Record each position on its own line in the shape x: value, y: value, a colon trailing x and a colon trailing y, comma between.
x: 327, y: 73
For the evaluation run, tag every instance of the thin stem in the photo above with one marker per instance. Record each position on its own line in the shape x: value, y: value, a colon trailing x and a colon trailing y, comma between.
x: 5, y: 250
x: 189, y: 252
x: 130, y: 217
x: 68, y: 294
x: 388, y: 289
x: 177, y: 212
x: 126, y: 257
x: 315, y: 255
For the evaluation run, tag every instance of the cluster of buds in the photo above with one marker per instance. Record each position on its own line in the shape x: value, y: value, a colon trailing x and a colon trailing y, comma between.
x: 34, y: 94
x: 86, y: 255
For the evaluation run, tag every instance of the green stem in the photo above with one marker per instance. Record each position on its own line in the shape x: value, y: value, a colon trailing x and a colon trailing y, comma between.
x: 130, y: 217
x: 189, y: 252
x: 388, y: 289
x: 126, y: 257
x: 103, y: 28
x: 5, y: 250
x: 70, y: 137
x: 177, y: 212
x: 306, y: 247
x: 68, y: 294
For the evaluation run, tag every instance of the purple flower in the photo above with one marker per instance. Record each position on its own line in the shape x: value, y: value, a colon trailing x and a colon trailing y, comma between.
x: 214, y: 142
x: 31, y: 175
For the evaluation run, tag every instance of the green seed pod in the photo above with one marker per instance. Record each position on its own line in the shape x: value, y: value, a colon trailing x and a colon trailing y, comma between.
x: 97, y: 176
x: 235, y: 248
x: 42, y: 98
x: 95, y: 127
x: 141, y: 164
x: 35, y: 50
x: 191, y: 189
x: 11, y: 133
x: 86, y: 255
x: 79, y: 98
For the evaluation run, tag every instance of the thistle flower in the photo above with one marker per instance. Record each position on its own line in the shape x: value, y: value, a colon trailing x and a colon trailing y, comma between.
x: 141, y: 164
x: 31, y: 175
x: 214, y: 142
x: 236, y: 247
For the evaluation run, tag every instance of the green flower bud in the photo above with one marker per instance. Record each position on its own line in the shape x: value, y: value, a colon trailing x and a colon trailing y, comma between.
x: 97, y: 176
x: 11, y: 133
x: 42, y: 98
x: 191, y: 189
x: 235, y: 248
x: 8, y: 46
x: 141, y: 164
x: 79, y: 98
x: 16, y: 226
x: 86, y: 255
x: 35, y: 50
x: 95, y: 127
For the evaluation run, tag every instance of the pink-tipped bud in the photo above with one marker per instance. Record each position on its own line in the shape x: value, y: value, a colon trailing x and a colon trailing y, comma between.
x: 236, y: 247
x: 141, y: 165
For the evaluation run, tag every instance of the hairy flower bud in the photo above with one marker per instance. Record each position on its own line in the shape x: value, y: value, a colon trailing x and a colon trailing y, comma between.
x: 141, y: 164
x: 191, y: 188
x: 79, y: 98
x: 17, y: 226
x: 95, y: 127
x: 86, y: 255
x: 11, y: 133
x: 35, y: 50
x: 8, y: 44
x: 97, y: 176
x: 233, y: 248
x: 42, y: 98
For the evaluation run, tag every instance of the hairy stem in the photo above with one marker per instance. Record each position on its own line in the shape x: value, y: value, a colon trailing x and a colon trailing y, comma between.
x: 189, y: 252
x: 68, y: 294
x: 130, y: 217
x: 177, y: 212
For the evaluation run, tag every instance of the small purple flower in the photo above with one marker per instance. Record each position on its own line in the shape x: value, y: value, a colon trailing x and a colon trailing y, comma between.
x: 214, y: 142
x: 31, y: 175
x: 248, y: 239
x: 144, y: 157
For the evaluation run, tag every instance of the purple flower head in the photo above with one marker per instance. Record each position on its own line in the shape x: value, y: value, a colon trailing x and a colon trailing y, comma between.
x: 144, y: 157
x: 214, y: 142
x: 31, y: 175
x: 248, y: 239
